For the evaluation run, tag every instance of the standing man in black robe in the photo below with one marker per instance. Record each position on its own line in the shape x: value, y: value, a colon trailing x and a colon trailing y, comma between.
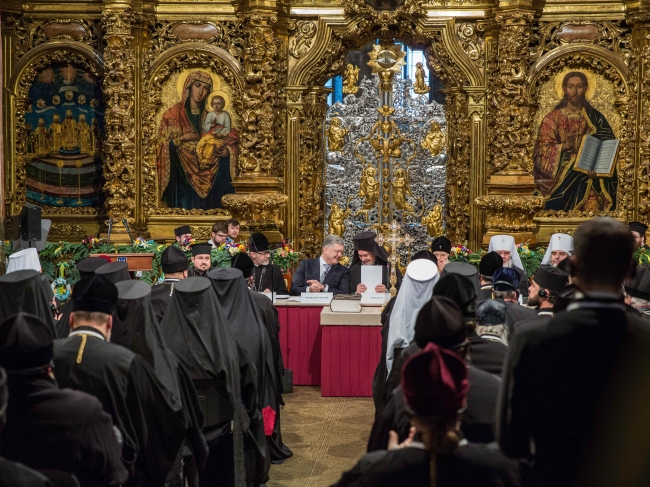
x: 114, y: 272
x: 369, y: 252
x: 201, y: 261
x: 559, y: 376
x: 86, y: 267
x: 136, y: 328
x: 23, y: 291
x: 196, y: 329
x: 50, y: 428
x: 278, y: 450
x: 124, y: 383
x: 174, y: 265
x: 267, y: 277
x: 253, y: 341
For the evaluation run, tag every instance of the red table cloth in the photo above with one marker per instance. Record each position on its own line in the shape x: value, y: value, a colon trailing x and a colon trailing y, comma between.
x: 300, y: 341
x: 348, y: 360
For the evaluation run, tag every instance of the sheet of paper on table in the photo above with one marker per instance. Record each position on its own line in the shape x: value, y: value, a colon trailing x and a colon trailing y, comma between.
x: 371, y: 276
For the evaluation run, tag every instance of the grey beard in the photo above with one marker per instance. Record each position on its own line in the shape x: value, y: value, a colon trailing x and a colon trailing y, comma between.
x: 509, y: 264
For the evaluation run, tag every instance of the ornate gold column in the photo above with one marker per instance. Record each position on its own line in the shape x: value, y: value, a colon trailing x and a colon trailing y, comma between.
x: 639, y: 17
x: 306, y: 115
x: 258, y: 198
x: 510, y: 204
x: 119, y: 148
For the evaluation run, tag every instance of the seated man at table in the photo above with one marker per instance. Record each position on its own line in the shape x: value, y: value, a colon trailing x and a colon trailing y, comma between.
x: 368, y: 252
x: 323, y: 274
x: 266, y: 277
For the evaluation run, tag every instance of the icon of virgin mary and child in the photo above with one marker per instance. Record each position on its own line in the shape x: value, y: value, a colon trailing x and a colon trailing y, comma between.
x: 197, y: 147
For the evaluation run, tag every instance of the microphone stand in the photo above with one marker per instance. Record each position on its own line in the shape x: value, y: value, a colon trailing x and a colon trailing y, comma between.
x: 271, y: 252
x: 126, y: 225
x: 108, y: 237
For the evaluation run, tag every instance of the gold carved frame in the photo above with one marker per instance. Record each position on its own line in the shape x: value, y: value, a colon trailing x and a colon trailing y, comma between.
x: 611, y: 66
x: 24, y: 72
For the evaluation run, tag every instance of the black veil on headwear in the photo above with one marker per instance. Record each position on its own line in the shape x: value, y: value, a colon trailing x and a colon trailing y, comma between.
x: 245, y: 321
x: 459, y: 289
x: 23, y: 291
x: 135, y: 327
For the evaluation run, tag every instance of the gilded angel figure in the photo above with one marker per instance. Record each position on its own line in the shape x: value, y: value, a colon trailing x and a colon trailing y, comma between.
x: 336, y: 135
x: 350, y: 78
x: 401, y: 190
x: 433, y: 221
x: 420, y: 86
x: 369, y: 189
x: 336, y: 220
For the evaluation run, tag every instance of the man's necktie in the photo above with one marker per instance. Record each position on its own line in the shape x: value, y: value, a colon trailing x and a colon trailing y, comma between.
x: 326, y: 269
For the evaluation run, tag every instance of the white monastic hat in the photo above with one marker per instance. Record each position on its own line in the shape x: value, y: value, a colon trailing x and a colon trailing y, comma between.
x: 506, y: 242
x: 24, y: 259
x: 559, y: 241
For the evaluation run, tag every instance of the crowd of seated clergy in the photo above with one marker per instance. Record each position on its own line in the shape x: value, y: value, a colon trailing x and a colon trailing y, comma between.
x: 486, y: 377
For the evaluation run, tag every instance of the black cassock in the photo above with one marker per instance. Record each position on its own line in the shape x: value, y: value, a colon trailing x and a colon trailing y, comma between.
x: 17, y: 475
x: 471, y: 465
x: 161, y: 296
x: 379, y: 390
x: 269, y: 277
x: 193, y: 272
x: 253, y: 341
x: 130, y: 392
x: 62, y: 326
x: 278, y: 450
x: 136, y: 328
x: 196, y: 329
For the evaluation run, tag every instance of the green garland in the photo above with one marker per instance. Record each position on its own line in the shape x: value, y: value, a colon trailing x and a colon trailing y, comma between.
x: 55, y: 254
x: 530, y: 259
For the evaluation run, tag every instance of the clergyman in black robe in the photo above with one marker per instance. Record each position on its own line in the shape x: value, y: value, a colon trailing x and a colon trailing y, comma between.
x: 266, y: 275
x: 373, y: 254
x: 269, y: 314
x: 253, y: 340
x: 86, y: 267
x: 196, y: 329
x: 125, y: 384
x: 174, y: 265
x: 23, y: 291
x: 136, y: 328
x: 49, y: 428
x: 434, y: 384
x: 439, y: 321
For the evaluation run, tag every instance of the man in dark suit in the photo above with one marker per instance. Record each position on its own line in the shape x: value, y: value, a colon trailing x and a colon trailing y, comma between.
x: 560, y: 375
x: 323, y: 274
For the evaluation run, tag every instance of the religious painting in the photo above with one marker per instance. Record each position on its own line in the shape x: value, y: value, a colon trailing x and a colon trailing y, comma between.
x: 198, y: 144
x: 64, y: 124
x: 575, y: 152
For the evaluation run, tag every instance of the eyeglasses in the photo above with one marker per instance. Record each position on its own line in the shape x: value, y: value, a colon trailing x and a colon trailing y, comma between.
x: 221, y: 235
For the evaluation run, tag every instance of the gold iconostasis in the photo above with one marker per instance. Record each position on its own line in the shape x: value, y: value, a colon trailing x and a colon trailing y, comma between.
x: 189, y: 112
